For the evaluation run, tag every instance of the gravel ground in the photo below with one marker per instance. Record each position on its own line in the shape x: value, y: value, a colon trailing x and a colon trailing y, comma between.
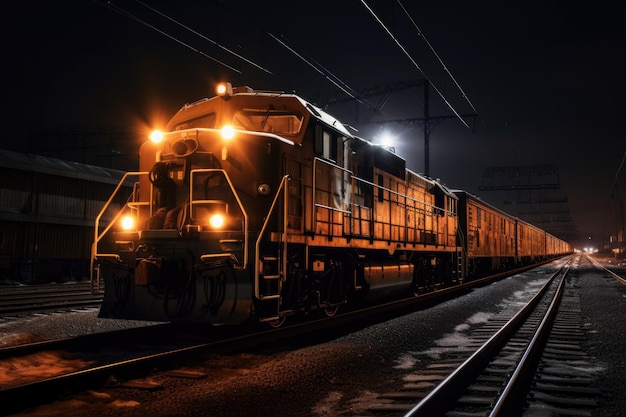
x: 603, y: 304
x: 342, y: 377
x: 57, y: 326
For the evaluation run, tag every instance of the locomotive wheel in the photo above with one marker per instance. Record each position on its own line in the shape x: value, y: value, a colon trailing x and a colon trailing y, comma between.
x: 275, y: 324
x: 331, y: 311
x: 416, y: 290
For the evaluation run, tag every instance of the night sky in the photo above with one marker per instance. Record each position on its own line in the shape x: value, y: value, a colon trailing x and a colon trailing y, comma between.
x: 546, y: 79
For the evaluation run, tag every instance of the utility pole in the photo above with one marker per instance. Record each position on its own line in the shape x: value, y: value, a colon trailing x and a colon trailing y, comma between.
x: 426, y: 132
x: 385, y: 91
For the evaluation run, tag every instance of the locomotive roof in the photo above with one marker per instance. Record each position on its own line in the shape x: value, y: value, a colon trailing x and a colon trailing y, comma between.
x: 491, y: 206
x: 246, y: 97
x: 479, y: 199
x: 443, y: 190
x: 315, y: 111
x: 325, y: 117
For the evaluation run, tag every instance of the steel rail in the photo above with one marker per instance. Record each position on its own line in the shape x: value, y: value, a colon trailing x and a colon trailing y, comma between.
x: 441, y: 396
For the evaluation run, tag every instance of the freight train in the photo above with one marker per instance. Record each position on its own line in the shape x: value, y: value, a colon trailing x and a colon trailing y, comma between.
x: 257, y: 205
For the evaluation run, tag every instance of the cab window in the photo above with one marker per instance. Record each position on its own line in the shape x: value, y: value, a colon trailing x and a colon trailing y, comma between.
x: 204, y: 121
x: 326, y: 144
x: 286, y: 123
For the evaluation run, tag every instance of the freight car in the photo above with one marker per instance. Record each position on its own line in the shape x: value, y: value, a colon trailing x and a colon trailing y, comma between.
x: 255, y: 205
x: 493, y: 240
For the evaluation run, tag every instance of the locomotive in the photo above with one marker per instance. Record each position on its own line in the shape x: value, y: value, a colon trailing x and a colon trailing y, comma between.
x: 257, y: 205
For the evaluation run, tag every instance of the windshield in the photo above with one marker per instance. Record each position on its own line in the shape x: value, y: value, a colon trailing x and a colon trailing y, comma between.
x: 206, y: 121
x: 268, y: 120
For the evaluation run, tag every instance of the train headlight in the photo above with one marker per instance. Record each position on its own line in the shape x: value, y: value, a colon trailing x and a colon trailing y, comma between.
x: 156, y: 136
x: 128, y: 223
x: 217, y: 221
x: 224, y: 90
x: 228, y: 132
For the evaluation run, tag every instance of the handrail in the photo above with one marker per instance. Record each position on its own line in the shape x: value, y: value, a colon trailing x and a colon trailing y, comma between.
x: 414, y: 200
x: 282, y: 187
x: 97, y: 236
x: 408, y: 199
x: 239, y: 203
x: 314, y: 189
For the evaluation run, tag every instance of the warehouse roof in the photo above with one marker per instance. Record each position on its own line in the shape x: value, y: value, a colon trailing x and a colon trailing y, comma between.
x: 36, y: 163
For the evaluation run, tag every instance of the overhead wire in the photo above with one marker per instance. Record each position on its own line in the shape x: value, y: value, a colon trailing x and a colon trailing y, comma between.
x: 131, y: 16
x: 617, y: 195
x: 323, y: 71
x: 382, y: 24
x: 137, y: 19
x: 205, y: 38
x: 445, y: 68
x: 617, y: 174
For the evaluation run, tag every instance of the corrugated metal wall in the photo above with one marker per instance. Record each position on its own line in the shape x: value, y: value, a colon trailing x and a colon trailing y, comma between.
x: 47, y: 219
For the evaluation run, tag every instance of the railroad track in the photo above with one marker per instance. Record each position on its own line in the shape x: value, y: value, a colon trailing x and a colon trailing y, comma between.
x: 100, y: 359
x: 30, y: 299
x: 617, y: 272
x: 527, y: 362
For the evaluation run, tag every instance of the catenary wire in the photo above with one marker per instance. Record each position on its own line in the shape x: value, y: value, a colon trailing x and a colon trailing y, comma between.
x: 320, y: 69
x: 123, y: 12
x: 326, y: 73
x: 414, y: 63
x: 445, y: 68
x: 205, y: 38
